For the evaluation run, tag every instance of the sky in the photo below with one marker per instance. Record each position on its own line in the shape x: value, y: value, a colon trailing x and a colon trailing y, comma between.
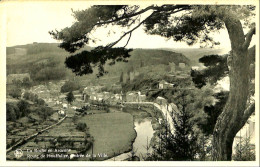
x: 28, y: 22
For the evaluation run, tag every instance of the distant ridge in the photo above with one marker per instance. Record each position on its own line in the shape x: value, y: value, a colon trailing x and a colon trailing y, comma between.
x: 194, y: 54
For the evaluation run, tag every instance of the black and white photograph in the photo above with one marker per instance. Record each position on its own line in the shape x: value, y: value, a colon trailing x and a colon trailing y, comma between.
x: 143, y: 81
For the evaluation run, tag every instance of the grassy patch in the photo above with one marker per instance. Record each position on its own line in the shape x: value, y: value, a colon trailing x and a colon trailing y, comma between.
x: 66, y: 128
x: 112, y: 132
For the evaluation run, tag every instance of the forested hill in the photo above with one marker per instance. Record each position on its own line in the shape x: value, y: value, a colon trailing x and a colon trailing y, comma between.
x: 194, y: 54
x: 158, y: 56
x: 148, y: 57
x: 45, y: 61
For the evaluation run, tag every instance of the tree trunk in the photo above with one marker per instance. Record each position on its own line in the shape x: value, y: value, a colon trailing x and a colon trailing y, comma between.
x: 230, y: 120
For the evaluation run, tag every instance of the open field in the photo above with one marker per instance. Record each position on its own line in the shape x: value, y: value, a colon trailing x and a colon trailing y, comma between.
x: 112, y: 132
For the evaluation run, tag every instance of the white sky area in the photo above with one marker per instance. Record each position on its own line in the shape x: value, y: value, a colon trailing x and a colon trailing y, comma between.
x: 28, y: 22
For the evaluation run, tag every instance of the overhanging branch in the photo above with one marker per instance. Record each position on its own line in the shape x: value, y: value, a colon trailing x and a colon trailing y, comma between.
x: 128, y: 39
x: 248, y: 37
x: 125, y: 16
x: 247, y: 113
x: 128, y: 32
x: 156, y: 9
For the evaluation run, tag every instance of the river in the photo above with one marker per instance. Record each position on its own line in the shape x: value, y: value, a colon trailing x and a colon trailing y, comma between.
x: 144, y: 130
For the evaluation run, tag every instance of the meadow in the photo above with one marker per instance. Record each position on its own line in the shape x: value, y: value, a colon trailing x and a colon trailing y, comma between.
x: 113, y: 132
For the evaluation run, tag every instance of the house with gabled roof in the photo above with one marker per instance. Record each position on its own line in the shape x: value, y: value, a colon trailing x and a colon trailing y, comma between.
x: 165, y: 85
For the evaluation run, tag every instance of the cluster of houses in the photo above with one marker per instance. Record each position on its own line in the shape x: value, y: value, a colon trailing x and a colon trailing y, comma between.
x: 94, y: 93
x: 42, y: 91
x: 134, y: 97
x: 50, y: 93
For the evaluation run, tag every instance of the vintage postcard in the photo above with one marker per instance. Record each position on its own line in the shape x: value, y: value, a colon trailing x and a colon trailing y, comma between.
x: 102, y: 83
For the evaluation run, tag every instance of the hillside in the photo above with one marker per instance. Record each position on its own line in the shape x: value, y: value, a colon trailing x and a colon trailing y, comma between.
x: 45, y: 61
x: 148, y: 57
x: 194, y: 54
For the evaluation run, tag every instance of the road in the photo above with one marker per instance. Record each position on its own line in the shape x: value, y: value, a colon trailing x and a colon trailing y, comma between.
x: 163, y: 109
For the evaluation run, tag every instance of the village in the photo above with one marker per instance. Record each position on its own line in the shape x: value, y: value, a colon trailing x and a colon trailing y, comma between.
x: 91, y: 97
x: 90, y: 100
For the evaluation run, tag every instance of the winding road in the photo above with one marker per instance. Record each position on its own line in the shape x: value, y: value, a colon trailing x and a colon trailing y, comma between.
x: 166, y: 113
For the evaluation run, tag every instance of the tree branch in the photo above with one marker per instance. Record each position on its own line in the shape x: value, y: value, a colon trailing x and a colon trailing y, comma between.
x: 247, y: 113
x: 248, y: 37
x: 128, y: 39
x: 156, y: 9
x: 128, y: 32
x: 126, y: 16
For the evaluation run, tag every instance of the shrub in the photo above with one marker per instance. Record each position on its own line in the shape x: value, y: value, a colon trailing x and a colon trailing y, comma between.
x: 40, y: 102
x: 15, y: 93
x: 69, y: 86
x: 26, y: 95
x: 23, y: 107
x: 81, y: 126
x: 12, y: 141
x: 107, y: 110
x: 244, y: 151
x: 70, y: 97
x: 11, y: 112
x: 44, y: 112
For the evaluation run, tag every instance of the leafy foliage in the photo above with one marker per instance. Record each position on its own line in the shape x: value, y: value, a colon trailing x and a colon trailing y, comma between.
x: 70, y: 97
x: 244, y: 150
x: 121, y: 77
x: 34, y: 98
x: 69, y: 86
x: 217, y: 68
x: 180, y: 29
x: 213, y: 111
x: 182, y: 143
x: 185, y: 143
x: 16, y: 111
x: 81, y: 126
x: 43, y: 62
x: 50, y: 73
x: 191, y: 26
x: 198, y: 78
x: 44, y: 112
x: 23, y: 107
x: 15, y: 92
x: 12, y: 112
x: 83, y: 63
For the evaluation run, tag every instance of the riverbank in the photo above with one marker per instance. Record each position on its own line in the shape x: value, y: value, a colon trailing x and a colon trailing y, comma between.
x: 113, y: 134
x: 146, y: 119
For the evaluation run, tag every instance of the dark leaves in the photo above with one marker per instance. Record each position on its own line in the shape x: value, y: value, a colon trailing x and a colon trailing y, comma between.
x: 84, y: 62
x: 184, y: 28
x: 216, y: 70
